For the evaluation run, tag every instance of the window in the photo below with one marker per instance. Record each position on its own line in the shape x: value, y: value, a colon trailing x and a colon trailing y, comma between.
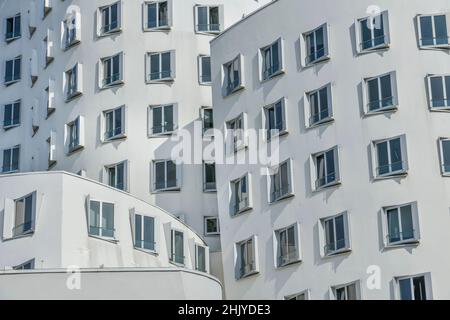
x: 110, y: 18
x: 287, y: 244
x: 51, y: 141
x: 161, y: 66
x: 144, y: 232
x: 208, y: 19
x: 47, y: 43
x: 236, y: 132
x: 75, y: 134
x: 272, y: 60
x: 114, y: 123
x: 373, y: 32
x: 390, y: 157
x: 29, y: 265
x: 112, y: 70
x: 12, y: 70
x: 326, y: 168
x: 240, y: 197
x: 162, y: 119
x: 207, y: 121
x: 204, y: 72
x: 73, y: 82
x: 13, y: 28
x: 24, y: 215
x: 209, y: 176
x: 246, y: 254
x: 166, y: 176
x: 233, y: 76
x: 434, y: 31
x: 212, y: 226
x: 49, y: 97
x: 444, y: 144
x: 200, y: 258
x: 316, y: 45
x: 347, y: 292
x: 439, y: 92
x: 157, y: 15
x: 414, y: 287
x: 298, y: 296
x: 275, y: 119
x: 320, y: 106
x: 11, y: 115
x: 281, y: 182
x: 11, y: 159
x: 117, y: 175
x: 336, y: 234
x: 47, y: 7
x: 177, y: 247
x: 381, y: 93
x: 401, y: 225
x: 101, y: 219
x: 71, y: 30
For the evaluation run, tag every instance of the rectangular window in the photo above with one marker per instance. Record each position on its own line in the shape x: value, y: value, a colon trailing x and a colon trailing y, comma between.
x: 51, y: 142
x: 112, y: 70
x: 114, y: 123
x: 326, y: 168
x: 11, y: 115
x: 11, y: 160
x: 281, y: 182
x: 439, y: 91
x: 47, y: 7
x: 209, y: 176
x: 207, y: 121
x: 208, y: 19
x: 204, y: 63
x: 110, y: 18
x: 177, y: 247
x: 272, y: 59
x: 402, y: 225
x: 390, y: 157
x: 316, y: 45
x: 246, y: 258
x: 299, y: 296
x: 347, y: 292
x: 373, y: 32
x: 49, y: 49
x: 381, y: 93
x: 444, y: 144
x: 212, y: 226
x: 157, y: 15
x: 144, y: 232
x: 117, y: 175
x: 336, y: 234
x: 13, y: 70
x: 75, y: 134
x: 200, y: 258
x: 232, y: 79
x: 413, y: 288
x: 24, y: 215
x: 275, y: 119
x: 13, y: 28
x: 236, y: 130
x: 162, y: 119
x: 240, y: 198
x: 434, y: 31
x: 29, y: 265
x: 101, y: 219
x: 165, y: 176
x: 320, y: 107
x: 71, y: 30
x: 72, y: 82
x: 161, y: 66
x: 287, y: 245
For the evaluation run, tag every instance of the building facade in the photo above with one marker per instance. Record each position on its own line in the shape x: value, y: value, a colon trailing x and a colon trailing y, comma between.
x: 356, y: 95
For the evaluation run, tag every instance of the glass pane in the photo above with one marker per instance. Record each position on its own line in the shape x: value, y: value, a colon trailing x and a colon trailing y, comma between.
x: 386, y: 91
x: 7, y: 160
x: 179, y: 247
x: 419, y: 288
x: 138, y: 231
x: 340, y: 294
x: 292, y: 248
x: 15, y: 158
x: 284, y: 175
x: 383, y: 158
x: 28, y: 214
x: 202, y: 13
x: 283, y: 246
x: 114, y: 16
x: 8, y: 115
x: 168, y: 119
x: 351, y: 292
x: 315, y: 108
x: 437, y: 92
x: 112, y: 176
x: 214, y: 19
x: 331, y: 170
x: 366, y: 34
x: 373, y: 94
x: 171, y: 174
x: 440, y: 25
x: 116, y: 68
x: 16, y: 118
x: 108, y: 220
x: 378, y: 31
x: 160, y: 176
x: 211, y: 225
x: 206, y: 69
x: 405, y: 289
x: 446, y: 155
x: 208, y: 118
x: 9, y: 70
x: 407, y: 223
x: 17, y: 66
x: 118, y: 121
x: 320, y: 43
x: 396, y: 155
x: 329, y: 236
x: 149, y: 233
x: 323, y: 103
x: 9, y: 27
x: 279, y: 116
x: 210, y: 173
x: 94, y: 218
x: 393, y: 225
x: 152, y: 15
x: 426, y: 30
x: 157, y: 120
x: 154, y: 67
x: 276, y: 65
x: 320, y: 170
x: 17, y: 26
x: 163, y: 14
x: 165, y: 65
x: 201, y: 258
x: 120, y: 184
x: 340, y: 232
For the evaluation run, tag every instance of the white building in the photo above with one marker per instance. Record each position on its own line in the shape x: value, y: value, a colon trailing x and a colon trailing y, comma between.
x: 357, y: 92
x: 98, y: 88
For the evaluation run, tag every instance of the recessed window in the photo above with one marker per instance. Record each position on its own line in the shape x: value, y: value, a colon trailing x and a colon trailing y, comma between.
x: 161, y: 66
x: 281, y: 182
x: 117, y: 175
x: 47, y: 43
x: 13, y: 70
x: 13, y: 28
x: 391, y: 157
x: 101, y: 219
x: 373, y: 32
x: 200, y: 258
x: 288, y: 246
x: 439, y: 92
x: 320, y: 106
x: 347, y: 292
x: 71, y: 30
x: 212, y: 226
x: 114, y: 123
x: 162, y: 119
x: 177, y: 247
x: 204, y: 72
x: 51, y: 144
x: 402, y: 225
x: 49, y: 98
x: 246, y: 258
x: 207, y: 121
x: 414, y: 287
x: 209, y: 176
x: 316, y: 45
x: 112, y: 70
x: 236, y: 132
x: 166, y: 176
x: 144, y: 232
x: 11, y: 160
x: 11, y: 115
x: 47, y: 7
x: 24, y: 215
x: 240, y: 195
x: 75, y: 134
x: 73, y: 82
x: 381, y: 93
x: 29, y: 265
x: 444, y: 145
x: 326, y: 166
x: 275, y: 119
x: 208, y: 19
x: 434, y: 31
x: 110, y: 18
x: 233, y: 76
x: 336, y: 232
x: 157, y: 15
x: 272, y: 60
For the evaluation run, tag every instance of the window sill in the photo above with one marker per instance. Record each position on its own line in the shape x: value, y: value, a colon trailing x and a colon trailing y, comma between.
x: 169, y: 190
x: 381, y: 47
x: 390, y: 109
x: 12, y: 126
x: 440, y: 109
x: 241, y: 212
x: 115, y: 138
x: 273, y: 76
x: 75, y: 149
x: 109, y: 33
x: 247, y: 275
x: 280, y: 199
x: 208, y: 33
x: 328, y: 186
x: 210, y: 190
x: 9, y: 83
x: 9, y: 40
x: 322, y: 122
x: 337, y: 253
x: 234, y: 91
x: 73, y: 96
x: 402, y: 244
x: 435, y: 47
x: 402, y: 174
x: 20, y: 236
x: 180, y: 265
x: 160, y: 81
x: 151, y: 252
x: 110, y: 240
x: 212, y: 234
x: 288, y: 264
x: 208, y: 84
x: 118, y: 83
x: 318, y: 61
x: 277, y: 135
x: 157, y: 29
x: 71, y: 45
x: 161, y: 135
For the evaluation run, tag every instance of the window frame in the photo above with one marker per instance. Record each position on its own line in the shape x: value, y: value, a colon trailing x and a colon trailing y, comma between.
x: 326, y: 253
x: 236, y: 63
x: 305, y: 62
x: 306, y: 293
x: 443, y: 79
x: 31, y: 230
x: 21, y: 267
x: 172, y: 73
x: 266, y: 75
x: 101, y: 32
x: 197, y: 268
x: 73, y: 82
x: 71, y: 30
x: 433, y: 46
x: 207, y: 132
x: 122, y: 134
x: 213, y: 187
x: 14, y: 77
x: 444, y: 172
x: 345, y: 286
x: 254, y: 264
x: 200, y: 70
x: 404, y: 155
x: 269, y: 133
x: 296, y: 255
x: 145, y: 18
x: 208, y: 7
x: 13, y: 34
x: 205, y: 225
x: 79, y: 124
x: 239, y: 136
x: 173, y: 253
x: 415, y: 225
x: 337, y: 170
x: 275, y: 173
x: 394, y: 91
x: 113, y: 238
x: 235, y: 208
x: 104, y: 84
x: 178, y: 173
x: 309, y: 114
x: 427, y: 281
x: 142, y: 216
x: 384, y: 16
x: 125, y: 177
x: 151, y: 109
x: 11, y: 167
x: 13, y: 105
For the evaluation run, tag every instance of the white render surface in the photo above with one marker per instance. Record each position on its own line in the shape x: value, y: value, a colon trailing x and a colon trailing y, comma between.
x: 359, y: 195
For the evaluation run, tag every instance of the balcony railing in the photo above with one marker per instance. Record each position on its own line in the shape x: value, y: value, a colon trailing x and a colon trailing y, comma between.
x: 434, y: 41
x: 319, y: 117
x: 168, y: 127
x: 11, y: 122
x: 271, y: 70
x: 326, y: 180
x: 315, y: 56
x: 402, y: 237
x: 232, y: 86
x: 110, y: 134
x: 114, y: 78
x: 208, y: 27
x: 209, y: 186
x: 374, y: 42
x: 110, y: 27
x: 23, y: 228
x: 161, y: 75
x: 280, y: 193
x: 391, y: 168
x: 102, y: 232
x: 381, y: 104
x: 178, y: 259
x: 242, y: 205
x: 166, y: 185
x: 12, y: 35
x: 247, y: 269
x: 334, y: 247
x: 10, y: 168
x: 440, y: 103
x: 287, y: 258
x: 146, y: 245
